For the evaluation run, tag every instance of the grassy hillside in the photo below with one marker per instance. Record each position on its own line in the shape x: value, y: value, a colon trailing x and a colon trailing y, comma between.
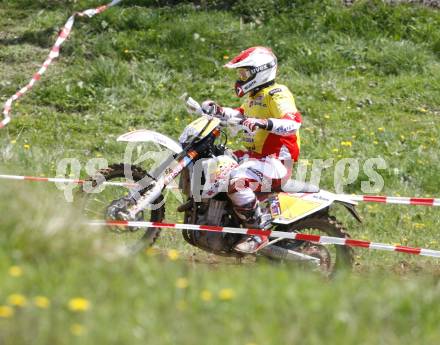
x: 366, y: 79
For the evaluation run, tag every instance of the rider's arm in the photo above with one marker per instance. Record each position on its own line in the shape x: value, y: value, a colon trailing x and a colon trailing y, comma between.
x: 285, y: 119
x: 224, y: 113
x: 285, y: 126
x: 229, y: 113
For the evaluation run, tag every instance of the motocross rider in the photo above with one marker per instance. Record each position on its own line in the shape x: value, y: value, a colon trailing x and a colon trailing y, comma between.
x: 273, y: 144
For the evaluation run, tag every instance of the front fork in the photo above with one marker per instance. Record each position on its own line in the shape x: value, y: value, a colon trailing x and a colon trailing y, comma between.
x: 145, y: 200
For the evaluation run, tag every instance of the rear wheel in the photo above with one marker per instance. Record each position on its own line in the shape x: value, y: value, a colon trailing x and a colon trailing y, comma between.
x: 331, y: 257
x: 98, y: 206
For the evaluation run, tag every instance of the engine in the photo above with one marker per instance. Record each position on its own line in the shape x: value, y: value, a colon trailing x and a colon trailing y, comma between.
x: 213, y: 212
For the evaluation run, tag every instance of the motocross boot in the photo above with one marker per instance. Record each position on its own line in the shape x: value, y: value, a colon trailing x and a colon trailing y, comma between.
x: 250, y: 214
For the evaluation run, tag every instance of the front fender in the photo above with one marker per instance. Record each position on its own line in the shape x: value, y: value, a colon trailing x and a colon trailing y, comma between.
x: 144, y: 135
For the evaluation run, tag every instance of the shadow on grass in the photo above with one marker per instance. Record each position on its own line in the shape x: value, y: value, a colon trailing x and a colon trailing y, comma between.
x: 42, y: 38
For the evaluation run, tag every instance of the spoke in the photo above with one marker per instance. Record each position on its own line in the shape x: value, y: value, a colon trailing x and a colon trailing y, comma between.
x: 100, y: 201
x: 92, y: 211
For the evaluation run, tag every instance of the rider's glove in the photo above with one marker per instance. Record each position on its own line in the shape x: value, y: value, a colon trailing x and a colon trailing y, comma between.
x: 211, y: 108
x: 253, y: 123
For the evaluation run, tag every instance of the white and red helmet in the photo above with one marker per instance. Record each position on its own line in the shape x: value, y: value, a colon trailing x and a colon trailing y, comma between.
x: 258, y: 66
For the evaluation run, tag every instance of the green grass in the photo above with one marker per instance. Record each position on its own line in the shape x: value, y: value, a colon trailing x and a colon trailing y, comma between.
x: 367, y: 74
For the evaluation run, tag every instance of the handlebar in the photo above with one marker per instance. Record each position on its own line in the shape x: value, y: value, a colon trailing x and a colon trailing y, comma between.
x: 194, y: 107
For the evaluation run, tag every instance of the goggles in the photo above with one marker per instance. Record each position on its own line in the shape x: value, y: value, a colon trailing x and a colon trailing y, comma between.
x: 244, y: 73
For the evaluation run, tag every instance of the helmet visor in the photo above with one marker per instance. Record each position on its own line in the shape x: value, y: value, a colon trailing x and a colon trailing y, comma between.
x: 244, y: 74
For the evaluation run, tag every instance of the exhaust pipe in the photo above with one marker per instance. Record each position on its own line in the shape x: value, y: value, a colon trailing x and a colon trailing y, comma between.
x: 280, y: 253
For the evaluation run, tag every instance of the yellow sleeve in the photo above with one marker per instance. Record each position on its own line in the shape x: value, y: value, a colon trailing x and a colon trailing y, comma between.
x: 281, y: 102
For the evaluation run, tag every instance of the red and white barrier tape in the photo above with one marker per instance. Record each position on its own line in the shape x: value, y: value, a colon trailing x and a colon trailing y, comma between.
x: 64, y: 180
x: 54, y: 53
x: 362, y: 198
x: 396, y: 200
x: 277, y: 234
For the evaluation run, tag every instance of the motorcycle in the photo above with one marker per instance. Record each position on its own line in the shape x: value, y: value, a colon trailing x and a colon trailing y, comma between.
x: 202, y: 164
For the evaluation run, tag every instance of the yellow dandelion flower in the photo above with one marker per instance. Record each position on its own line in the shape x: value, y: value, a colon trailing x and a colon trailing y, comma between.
x: 206, y: 295
x: 422, y: 110
x: 173, y: 254
x: 77, y: 329
x: 126, y: 51
x: 402, y: 137
x: 79, y: 304
x: 381, y: 129
x: 17, y: 300
x: 346, y: 143
x: 225, y: 57
x: 335, y: 150
x: 26, y: 146
x: 6, y: 311
x: 41, y: 302
x: 15, y: 271
x: 326, y: 117
x: 182, y: 283
x: 226, y: 294
x: 375, y: 142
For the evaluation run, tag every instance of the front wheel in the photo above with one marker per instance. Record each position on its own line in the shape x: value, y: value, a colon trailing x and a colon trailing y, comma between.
x: 331, y: 257
x: 97, y: 206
